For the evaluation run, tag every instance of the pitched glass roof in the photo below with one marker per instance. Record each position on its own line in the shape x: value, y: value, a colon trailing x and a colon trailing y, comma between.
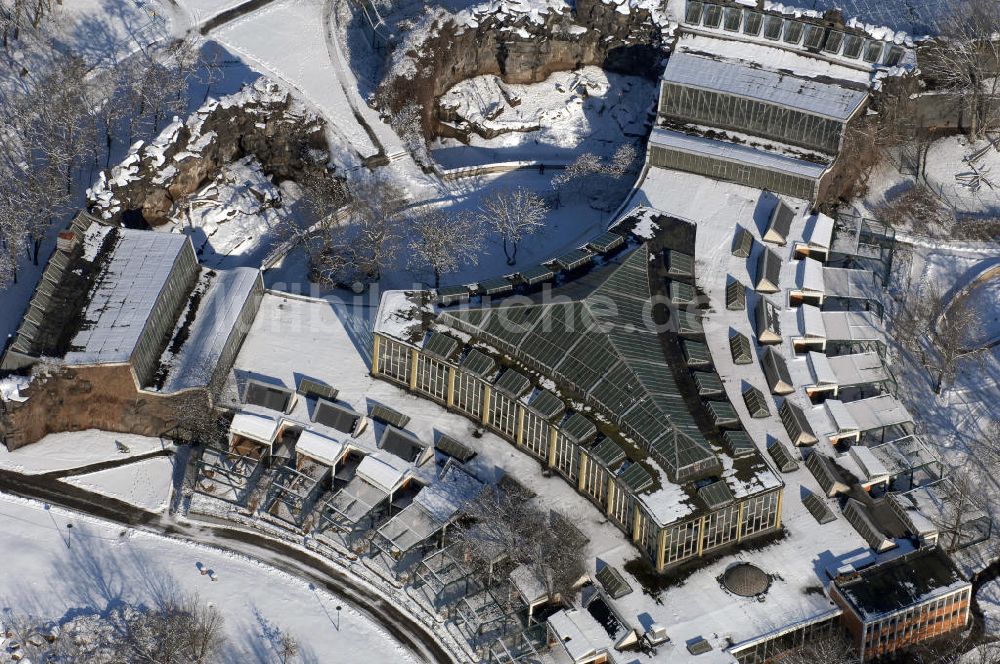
x: 716, y: 495
x: 742, y: 242
x: 579, y: 428
x: 636, y: 478
x: 513, y: 383
x: 755, y: 402
x: 574, y: 259
x: 739, y: 345
x: 448, y: 445
x: 495, y: 286
x: 441, y: 345
x: 818, y: 508
x: 607, y: 452
x: 536, y: 275
x: 696, y: 353
x: 708, y: 383
x: 681, y: 293
x: 600, y: 345
x: 739, y: 443
x: 782, y: 456
x: 613, y: 582
x: 389, y: 416
x: 680, y: 264
x: 723, y: 412
x: 736, y: 296
x: 606, y: 242
x: 547, y: 404
x: 479, y: 363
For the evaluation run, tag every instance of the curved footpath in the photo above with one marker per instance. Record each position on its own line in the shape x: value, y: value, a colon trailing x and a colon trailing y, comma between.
x: 290, y: 559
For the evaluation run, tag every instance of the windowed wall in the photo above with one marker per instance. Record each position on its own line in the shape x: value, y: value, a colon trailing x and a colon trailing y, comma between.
x: 393, y: 360
x: 468, y: 397
x: 514, y: 421
x: 917, y: 623
x: 722, y: 169
x: 685, y: 104
x: 432, y: 378
x: 793, y: 32
x: 769, y: 648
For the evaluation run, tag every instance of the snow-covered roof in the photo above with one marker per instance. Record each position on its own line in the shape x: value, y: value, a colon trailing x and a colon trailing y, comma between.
x: 526, y: 582
x: 812, y: 322
x: 739, y: 79
x: 380, y: 473
x: 809, y: 275
x: 216, y: 318
x: 735, y: 153
x: 848, y: 283
x: 821, y: 370
x: 454, y: 489
x: 842, y: 417
x: 578, y: 632
x: 254, y: 426
x: 851, y: 326
x: 125, y: 294
x: 319, y: 447
x: 878, y: 412
x: 858, y: 369
x: 819, y: 232
x: 872, y: 468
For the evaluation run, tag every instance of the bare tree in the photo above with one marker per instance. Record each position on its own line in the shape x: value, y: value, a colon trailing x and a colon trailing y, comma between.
x: 184, y: 631
x: 445, y: 241
x: 513, y: 214
x: 504, y: 524
x: 833, y: 649
x: 374, y: 209
x: 949, y: 326
x: 964, y: 61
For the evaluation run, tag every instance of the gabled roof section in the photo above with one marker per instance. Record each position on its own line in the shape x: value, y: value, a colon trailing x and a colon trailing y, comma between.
x: 739, y: 79
x: 600, y: 345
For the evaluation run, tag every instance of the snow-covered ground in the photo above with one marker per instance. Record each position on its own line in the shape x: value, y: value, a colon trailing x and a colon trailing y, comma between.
x: 51, y: 572
x: 145, y: 484
x: 233, y: 220
x: 949, y: 168
x: 77, y: 449
x: 587, y: 110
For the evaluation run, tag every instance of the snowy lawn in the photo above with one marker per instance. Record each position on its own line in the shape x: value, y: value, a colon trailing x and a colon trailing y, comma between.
x: 77, y: 449
x: 952, y: 164
x: 587, y: 110
x: 145, y: 484
x: 55, y: 573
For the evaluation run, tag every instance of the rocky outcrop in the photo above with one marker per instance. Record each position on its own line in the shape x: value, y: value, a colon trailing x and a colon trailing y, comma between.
x: 628, y: 38
x: 261, y: 120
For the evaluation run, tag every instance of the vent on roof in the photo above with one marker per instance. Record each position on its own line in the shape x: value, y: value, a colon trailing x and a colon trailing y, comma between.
x: 388, y: 415
x: 613, y: 582
x: 574, y: 259
x: 796, y: 425
x: 826, y: 473
x: 681, y: 293
x: 738, y: 443
x: 513, y: 384
x: 679, y: 265
x: 736, y: 296
x: 536, y: 275
x: 448, y: 445
x: 742, y: 243
x: 402, y: 444
x: 782, y: 456
x: 756, y: 404
x: 818, y: 508
x: 776, y: 371
x: 441, y: 345
x: 607, y: 452
x: 740, y: 348
x: 578, y: 428
x: 746, y: 580
x: 272, y: 397
x: 780, y: 224
x: 496, y: 286
x: 709, y: 384
x: 452, y: 295
x: 478, y: 363
x: 716, y: 495
x: 696, y: 353
x: 317, y: 390
x: 699, y: 646
x: 688, y: 323
x: 723, y: 413
x: 857, y: 515
x: 335, y: 416
x: 547, y: 404
x: 635, y: 478
x: 606, y: 242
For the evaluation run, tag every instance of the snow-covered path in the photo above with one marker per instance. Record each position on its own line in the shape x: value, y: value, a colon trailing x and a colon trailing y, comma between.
x: 54, y: 573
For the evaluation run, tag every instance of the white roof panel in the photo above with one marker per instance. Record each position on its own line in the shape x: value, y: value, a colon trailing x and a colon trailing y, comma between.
x: 822, y: 372
x: 877, y: 412
x: 809, y: 275
x: 124, y: 296
x: 851, y: 326
x: 732, y: 152
x: 812, y: 322
x: 842, y: 417
x: 578, y: 632
x: 257, y: 427
x: 819, y: 233
x: 848, y: 283
x: 740, y: 79
x: 380, y: 473
x: 858, y: 369
x: 323, y: 449
x: 871, y: 466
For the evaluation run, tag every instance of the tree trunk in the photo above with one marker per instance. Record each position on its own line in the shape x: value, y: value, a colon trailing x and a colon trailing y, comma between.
x: 939, y: 383
x: 437, y: 278
x: 37, y: 247
x: 506, y: 251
